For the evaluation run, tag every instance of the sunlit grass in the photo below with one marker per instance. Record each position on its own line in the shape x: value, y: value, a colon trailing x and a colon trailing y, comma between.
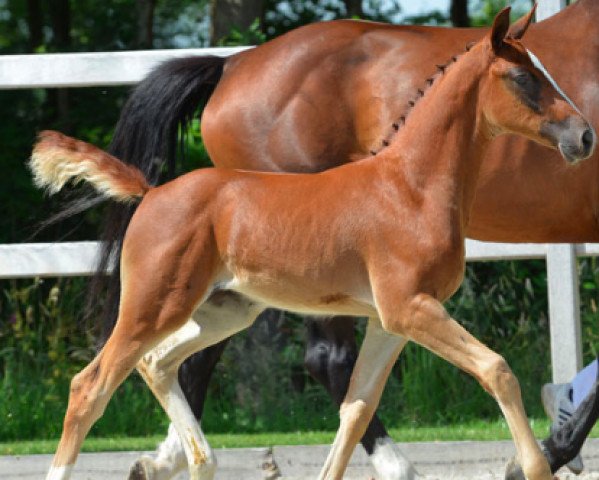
x: 476, y: 430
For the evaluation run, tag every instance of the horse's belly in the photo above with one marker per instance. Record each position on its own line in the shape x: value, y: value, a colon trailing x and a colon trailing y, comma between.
x: 304, y: 299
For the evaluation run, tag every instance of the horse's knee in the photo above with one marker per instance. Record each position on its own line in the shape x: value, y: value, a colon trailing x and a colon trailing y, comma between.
x: 356, y: 414
x: 316, y: 361
x: 342, y: 361
x: 86, y: 400
x: 159, y: 367
x: 499, y: 380
x: 324, y: 359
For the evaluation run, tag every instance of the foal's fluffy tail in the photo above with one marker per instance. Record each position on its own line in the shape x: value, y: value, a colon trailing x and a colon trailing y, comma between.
x: 56, y: 159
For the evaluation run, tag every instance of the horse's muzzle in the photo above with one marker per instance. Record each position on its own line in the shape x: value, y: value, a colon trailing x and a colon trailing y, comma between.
x: 574, y: 137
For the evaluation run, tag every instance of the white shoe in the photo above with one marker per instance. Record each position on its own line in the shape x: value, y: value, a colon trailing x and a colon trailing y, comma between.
x: 559, y: 408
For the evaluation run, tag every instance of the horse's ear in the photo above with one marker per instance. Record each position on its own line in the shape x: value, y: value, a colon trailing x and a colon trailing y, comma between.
x: 518, y: 29
x: 500, y: 27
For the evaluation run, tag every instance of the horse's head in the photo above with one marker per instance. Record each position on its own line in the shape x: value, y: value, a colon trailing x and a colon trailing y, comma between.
x: 519, y: 95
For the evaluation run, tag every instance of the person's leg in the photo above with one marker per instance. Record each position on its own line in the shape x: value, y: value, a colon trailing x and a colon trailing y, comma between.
x: 565, y: 442
x: 573, y: 408
x: 583, y: 382
x: 557, y: 402
x: 562, y: 400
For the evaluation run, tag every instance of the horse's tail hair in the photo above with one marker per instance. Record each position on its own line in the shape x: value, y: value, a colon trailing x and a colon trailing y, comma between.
x: 159, y: 109
x: 150, y: 135
x: 58, y: 159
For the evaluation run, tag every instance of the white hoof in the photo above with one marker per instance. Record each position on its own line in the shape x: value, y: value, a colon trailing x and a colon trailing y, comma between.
x: 170, y: 460
x: 59, y: 473
x: 390, y: 463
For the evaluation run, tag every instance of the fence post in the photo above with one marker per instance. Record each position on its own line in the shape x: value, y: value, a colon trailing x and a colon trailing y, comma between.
x: 546, y: 8
x: 564, y: 311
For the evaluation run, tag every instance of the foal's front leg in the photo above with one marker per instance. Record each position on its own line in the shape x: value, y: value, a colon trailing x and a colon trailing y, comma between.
x: 377, y: 355
x: 331, y: 353
x: 424, y: 320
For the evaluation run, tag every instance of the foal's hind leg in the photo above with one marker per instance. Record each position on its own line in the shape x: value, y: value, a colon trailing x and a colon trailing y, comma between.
x: 224, y: 314
x: 92, y: 388
x: 423, y: 319
x: 161, y: 287
x: 377, y: 355
x: 194, y: 375
x: 90, y: 391
x: 331, y: 353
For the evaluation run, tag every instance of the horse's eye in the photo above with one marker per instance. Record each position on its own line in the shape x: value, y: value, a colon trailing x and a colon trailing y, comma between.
x: 522, y: 78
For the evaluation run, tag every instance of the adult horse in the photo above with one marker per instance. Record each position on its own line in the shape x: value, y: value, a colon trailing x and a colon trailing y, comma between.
x: 382, y: 238
x: 332, y: 91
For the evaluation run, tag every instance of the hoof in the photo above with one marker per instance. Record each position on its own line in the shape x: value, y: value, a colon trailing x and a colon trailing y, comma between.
x: 270, y: 469
x: 389, y: 462
x: 141, y: 470
x: 513, y: 470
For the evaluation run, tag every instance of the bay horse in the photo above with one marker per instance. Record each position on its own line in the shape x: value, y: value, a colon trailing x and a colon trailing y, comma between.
x: 329, y: 92
x: 382, y: 237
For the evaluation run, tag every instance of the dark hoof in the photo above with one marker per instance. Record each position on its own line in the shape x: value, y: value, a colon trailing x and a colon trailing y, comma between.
x: 513, y: 470
x: 137, y: 472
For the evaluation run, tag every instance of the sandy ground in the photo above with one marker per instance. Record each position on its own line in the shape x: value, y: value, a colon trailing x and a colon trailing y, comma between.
x: 433, y: 460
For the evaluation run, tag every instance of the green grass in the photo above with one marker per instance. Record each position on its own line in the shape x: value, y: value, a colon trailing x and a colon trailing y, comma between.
x: 476, y: 430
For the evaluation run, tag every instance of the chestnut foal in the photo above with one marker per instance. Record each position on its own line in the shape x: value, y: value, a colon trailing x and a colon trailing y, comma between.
x: 382, y: 238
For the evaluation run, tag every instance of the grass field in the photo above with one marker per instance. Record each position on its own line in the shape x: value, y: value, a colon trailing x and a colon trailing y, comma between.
x: 478, y: 430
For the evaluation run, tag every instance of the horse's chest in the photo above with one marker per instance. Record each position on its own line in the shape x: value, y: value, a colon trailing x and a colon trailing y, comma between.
x: 443, y: 269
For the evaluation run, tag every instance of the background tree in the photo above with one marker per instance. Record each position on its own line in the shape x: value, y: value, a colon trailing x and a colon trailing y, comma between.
x: 228, y: 15
x: 353, y: 8
x: 145, y: 23
x: 458, y: 13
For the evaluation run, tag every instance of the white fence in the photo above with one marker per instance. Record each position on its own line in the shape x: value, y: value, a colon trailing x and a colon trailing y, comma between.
x: 125, y: 68
x: 90, y: 69
x: 79, y: 259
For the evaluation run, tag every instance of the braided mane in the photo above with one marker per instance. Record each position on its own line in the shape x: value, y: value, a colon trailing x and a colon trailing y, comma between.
x: 395, y: 126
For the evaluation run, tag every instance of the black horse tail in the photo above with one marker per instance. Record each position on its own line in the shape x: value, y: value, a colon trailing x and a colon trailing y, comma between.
x: 150, y: 136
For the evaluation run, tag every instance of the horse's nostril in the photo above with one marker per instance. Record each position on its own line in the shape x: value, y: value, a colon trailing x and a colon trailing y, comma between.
x: 587, y: 139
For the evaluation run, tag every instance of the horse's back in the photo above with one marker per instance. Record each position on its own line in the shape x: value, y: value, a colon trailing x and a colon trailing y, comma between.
x: 328, y: 93
x: 310, y: 99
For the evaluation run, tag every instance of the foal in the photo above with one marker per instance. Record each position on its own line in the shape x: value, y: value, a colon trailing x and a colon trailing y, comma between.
x: 382, y: 238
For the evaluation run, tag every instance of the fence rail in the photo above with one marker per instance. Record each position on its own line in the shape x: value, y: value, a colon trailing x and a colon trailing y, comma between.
x: 90, y: 69
x: 126, y: 68
x: 67, y: 259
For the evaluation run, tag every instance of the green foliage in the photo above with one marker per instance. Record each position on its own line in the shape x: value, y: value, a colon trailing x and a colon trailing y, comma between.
x: 36, y: 360
x: 252, y: 36
x: 42, y: 346
x: 430, y: 18
x: 589, y: 295
x: 484, y: 11
x: 281, y: 17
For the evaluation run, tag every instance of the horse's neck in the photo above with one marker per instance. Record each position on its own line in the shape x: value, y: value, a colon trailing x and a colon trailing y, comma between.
x: 439, y: 149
